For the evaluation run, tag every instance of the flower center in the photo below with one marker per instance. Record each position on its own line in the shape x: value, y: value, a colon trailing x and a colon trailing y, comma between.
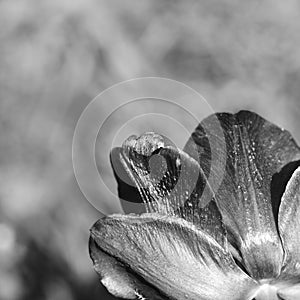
x: 267, y: 291
x: 271, y: 289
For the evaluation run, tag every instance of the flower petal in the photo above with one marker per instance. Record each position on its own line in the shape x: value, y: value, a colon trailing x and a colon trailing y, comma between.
x: 255, y: 151
x: 173, y: 256
x: 164, y: 176
x: 290, y: 293
x: 289, y: 225
x: 168, y: 180
x: 117, y: 279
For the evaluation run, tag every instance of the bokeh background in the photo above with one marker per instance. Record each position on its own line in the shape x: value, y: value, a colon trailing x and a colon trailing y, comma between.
x: 57, y: 55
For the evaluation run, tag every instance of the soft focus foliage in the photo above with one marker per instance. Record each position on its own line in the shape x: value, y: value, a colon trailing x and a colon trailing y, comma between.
x: 57, y: 55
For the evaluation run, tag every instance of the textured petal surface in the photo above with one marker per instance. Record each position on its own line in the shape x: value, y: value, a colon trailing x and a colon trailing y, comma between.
x: 164, y: 176
x: 289, y: 226
x: 118, y: 280
x: 173, y: 256
x: 255, y: 151
x: 167, y: 180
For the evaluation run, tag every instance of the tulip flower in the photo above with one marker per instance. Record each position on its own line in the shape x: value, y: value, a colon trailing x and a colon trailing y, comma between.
x: 211, y: 230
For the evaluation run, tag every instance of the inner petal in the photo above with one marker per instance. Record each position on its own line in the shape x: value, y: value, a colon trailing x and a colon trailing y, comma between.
x: 290, y: 293
x: 267, y: 292
x: 278, y: 290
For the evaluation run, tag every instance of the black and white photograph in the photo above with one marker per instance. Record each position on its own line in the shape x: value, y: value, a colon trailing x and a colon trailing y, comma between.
x: 150, y: 150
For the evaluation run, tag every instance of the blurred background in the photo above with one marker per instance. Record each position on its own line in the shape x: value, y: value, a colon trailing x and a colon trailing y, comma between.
x: 57, y: 55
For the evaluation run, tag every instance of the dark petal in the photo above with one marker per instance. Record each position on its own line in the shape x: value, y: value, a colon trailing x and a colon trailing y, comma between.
x: 279, y: 183
x: 289, y: 226
x: 255, y: 151
x: 118, y: 280
x: 167, y: 180
x: 173, y: 256
x: 129, y: 195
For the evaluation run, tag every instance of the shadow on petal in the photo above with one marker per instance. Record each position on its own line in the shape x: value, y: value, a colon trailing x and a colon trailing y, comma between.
x: 278, y: 185
x: 289, y: 226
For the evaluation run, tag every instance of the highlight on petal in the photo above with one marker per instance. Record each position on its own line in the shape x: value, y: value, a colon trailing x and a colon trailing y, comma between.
x: 256, y: 150
x: 172, y: 256
x: 289, y: 225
